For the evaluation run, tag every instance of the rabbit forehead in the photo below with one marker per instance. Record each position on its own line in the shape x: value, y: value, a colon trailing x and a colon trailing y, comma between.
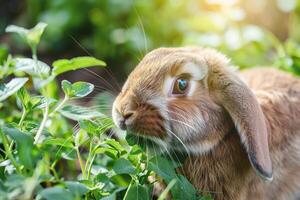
x: 152, y: 71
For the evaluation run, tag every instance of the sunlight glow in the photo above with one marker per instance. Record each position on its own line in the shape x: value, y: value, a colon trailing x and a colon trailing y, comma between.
x: 223, y: 2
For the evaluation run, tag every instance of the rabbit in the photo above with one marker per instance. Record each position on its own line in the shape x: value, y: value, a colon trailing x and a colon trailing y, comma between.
x: 241, y: 130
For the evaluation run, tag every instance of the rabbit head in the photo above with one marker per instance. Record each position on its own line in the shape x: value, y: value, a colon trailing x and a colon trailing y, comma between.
x: 189, y: 99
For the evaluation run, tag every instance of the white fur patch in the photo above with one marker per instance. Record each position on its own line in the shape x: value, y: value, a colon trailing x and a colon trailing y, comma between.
x: 115, y: 115
x: 197, y: 72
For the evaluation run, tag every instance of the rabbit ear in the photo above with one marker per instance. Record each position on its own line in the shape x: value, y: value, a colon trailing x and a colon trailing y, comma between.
x: 245, y: 111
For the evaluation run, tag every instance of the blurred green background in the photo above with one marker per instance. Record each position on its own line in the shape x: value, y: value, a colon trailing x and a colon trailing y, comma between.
x: 256, y: 32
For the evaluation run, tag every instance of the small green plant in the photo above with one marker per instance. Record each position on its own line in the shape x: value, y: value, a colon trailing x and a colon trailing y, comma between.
x: 44, y: 157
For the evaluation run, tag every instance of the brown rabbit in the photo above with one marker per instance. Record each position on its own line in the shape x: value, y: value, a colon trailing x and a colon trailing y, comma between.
x: 242, y: 131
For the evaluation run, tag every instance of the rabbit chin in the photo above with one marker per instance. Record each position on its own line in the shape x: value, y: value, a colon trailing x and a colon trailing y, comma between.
x: 199, y: 148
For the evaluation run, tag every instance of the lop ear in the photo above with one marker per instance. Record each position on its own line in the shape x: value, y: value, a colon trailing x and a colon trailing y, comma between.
x: 247, y: 116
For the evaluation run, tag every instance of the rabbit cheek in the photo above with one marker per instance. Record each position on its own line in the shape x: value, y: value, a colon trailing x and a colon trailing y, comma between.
x: 149, y: 122
x: 185, y: 118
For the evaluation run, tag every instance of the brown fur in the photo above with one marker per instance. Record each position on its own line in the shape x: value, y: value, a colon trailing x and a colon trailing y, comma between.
x: 266, y: 107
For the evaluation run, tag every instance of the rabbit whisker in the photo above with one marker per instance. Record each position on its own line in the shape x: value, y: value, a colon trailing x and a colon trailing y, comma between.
x: 184, y: 146
x: 183, y: 123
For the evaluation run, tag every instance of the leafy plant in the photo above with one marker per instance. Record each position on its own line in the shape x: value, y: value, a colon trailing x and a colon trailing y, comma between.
x: 44, y: 157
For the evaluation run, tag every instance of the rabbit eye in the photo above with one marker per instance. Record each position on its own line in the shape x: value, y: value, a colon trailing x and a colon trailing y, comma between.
x: 180, y: 86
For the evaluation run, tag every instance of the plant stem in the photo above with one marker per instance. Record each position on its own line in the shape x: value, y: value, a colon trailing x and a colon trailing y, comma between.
x: 24, y: 112
x: 90, y: 166
x: 8, y: 151
x: 52, y: 168
x: 88, y: 160
x: 34, y: 57
x: 23, y: 117
x: 126, y: 193
x: 165, y: 193
x: 59, y: 106
x: 40, y: 130
x: 80, y: 162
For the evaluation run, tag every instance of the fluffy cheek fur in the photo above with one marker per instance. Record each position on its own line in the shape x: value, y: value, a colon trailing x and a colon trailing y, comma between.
x: 148, y: 122
x: 197, y: 121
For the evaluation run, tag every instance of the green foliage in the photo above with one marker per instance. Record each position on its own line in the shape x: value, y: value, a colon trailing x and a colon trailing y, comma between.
x: 31, y: 36
x: 123, y: 31
x: 45, y: 157
x: 64, y: 65
x: 11, y: 87
x: 76, y: 90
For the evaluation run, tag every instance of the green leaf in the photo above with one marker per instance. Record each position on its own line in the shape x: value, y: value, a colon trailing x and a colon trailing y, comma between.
x: 3, y: 54
x: 24, y: 145
x: 89, y: 126
x: 123, y: 166
x: 137, y: 192
x: 76, y: 188
x: 24, y: 97
x: 162, y: 167
x: 114, y: 144
x: 40, y: 102
x: 79, y: 113
x: 135, y: 150
x: 76, y: 90
x: 17, y: 29
x: 102, y: 178
x: 31, y: 67
x: 56, y: 193
x: 82, y: 89
x: 67, y: 87
x: 80, y: 137
x: 10, y: 88
x: 34, y: 34
x: 183, y: 189
x: 59, y: 142
x: 31, y: 36
x: 64, y: 65
x: 112, y: 153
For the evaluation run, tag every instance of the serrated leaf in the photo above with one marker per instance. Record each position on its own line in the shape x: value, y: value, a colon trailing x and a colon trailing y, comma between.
x: 77, y: 113
x: 89, y: 126
x: 76, y: 90
x: 64, y: 65
x: 24, y: 97
x: 32, y: 68
x: 24, y: 145
x: 123, y: 166
x: 10, y: 88
x: 114, y: 144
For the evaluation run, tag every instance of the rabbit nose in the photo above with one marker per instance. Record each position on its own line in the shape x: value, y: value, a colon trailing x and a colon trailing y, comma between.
x: 126, y: 119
